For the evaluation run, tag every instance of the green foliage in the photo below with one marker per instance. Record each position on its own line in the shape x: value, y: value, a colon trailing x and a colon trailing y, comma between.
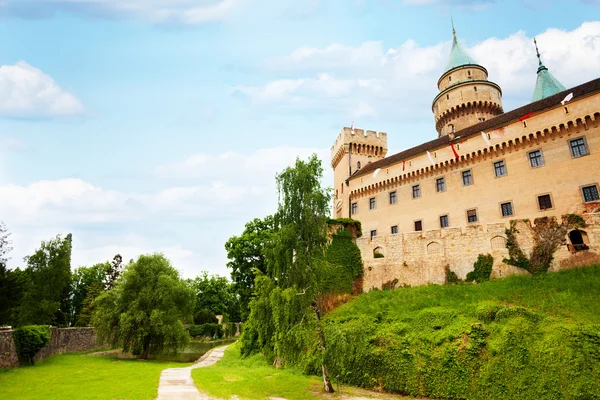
x: 482, y: 269
x: 205, y: 317
x: 143, y: 312
x: 89, y: 305
x: 87, y: 284
x: 574, y: 221
x: 513, y: 338
x: 216, y: 295
x: 246, y: 254
x: 377, y: 254
x: 13, y: 285
x: 347, y: 222
x: 29, y: 340
x: 210, y: 330
x: 47, y: 299
x: 344, y: 264
x: 451, y: 277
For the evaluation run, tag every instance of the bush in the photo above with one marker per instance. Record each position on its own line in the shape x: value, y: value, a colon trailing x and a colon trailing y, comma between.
x: 210, y: 330
x: 345, y: 264
x: 482, y: 269
x: 451, y: 277
x: 205, y: 317
x: 29, y: 340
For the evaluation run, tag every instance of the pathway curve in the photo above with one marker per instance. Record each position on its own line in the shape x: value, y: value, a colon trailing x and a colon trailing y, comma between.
x: 177, y: 383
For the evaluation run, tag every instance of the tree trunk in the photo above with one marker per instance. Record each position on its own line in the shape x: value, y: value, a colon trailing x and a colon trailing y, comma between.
x: 146, y: 350
x: 326, y: 382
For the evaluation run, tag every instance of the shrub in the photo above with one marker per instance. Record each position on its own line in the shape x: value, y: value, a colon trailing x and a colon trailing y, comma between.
x: 451, y: 277
x: 482, y: 269
x: 210, y: 330
x: 345, y: 264
x: 205, y: 317
x: 29, y: 340
x: 377, y: 254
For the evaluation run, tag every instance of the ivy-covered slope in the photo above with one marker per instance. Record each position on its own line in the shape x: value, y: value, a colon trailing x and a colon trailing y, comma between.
x: 516, y: 338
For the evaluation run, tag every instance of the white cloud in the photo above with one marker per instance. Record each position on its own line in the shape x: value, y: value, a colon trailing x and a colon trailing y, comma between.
x: 401, y: 82
x: 26, y: 91
x: 157, y: 11
x: 189, y: 220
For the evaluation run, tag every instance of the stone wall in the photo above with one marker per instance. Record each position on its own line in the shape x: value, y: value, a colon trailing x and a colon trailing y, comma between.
x: 62, y: 340
x: 419, y: 258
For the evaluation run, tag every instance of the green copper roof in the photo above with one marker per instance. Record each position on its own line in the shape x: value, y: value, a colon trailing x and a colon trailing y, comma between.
x: 546, y: 84
x: 458, y: 56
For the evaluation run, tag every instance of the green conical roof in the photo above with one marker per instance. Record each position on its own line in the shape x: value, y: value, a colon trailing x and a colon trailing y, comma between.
x: 546, y: 84
x: 458, y: 56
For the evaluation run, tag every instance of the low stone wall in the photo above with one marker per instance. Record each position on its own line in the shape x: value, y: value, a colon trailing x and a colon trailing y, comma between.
x: 62, y: 340
x: 419, y: 258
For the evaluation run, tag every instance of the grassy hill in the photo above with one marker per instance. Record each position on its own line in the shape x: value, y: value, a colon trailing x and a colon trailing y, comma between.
x: 515, y: 338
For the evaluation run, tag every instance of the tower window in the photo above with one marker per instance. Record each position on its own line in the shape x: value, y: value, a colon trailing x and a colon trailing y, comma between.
x: 354, y: 208
x: 468, y: 73
x: 507, y: 209
x: 393, y: 198
x: 373, y: 233
x: 545, y: 202
x: 500, y: 168
x: 578, y: 147
x: 536, y: 159
x: 467, y: 177
x: 372, y: 203
x: 449, y: 79
x: 472, y: 216
x: 394, y: 229
x: 590, y: 193
x: 475, y: 89
x: 440, y: 184
x: 418, y: 225
x: 358, y: 165
x: 416, y: 191
x: 444, y: 221
x: 480, y: 119
x: 447, y: 97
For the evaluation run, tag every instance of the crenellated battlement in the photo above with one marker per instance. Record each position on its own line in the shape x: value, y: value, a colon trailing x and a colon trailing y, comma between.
x: 368, y: 142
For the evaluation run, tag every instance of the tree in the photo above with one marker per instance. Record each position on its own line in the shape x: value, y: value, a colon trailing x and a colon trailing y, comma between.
x: 47, y: 298
x: 143, y: 312
x: 12, y: 283
x: 84, y: 278
x: 5, y: 243
x: 113, y: 271
x: 246, y: 255
x: 215, y: 294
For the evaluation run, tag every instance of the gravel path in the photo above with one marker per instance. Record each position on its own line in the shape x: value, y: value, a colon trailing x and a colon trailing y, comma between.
x: 177, y: 383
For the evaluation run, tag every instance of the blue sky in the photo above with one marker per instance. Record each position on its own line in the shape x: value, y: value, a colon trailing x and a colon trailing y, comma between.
x: 158, y: 125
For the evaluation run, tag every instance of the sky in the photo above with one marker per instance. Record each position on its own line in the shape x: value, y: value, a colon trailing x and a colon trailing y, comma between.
x: 144, y: 126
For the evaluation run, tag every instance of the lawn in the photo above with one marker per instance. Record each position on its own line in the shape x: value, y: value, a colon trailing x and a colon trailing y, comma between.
x: 74, y: 376
x: 253, y: 379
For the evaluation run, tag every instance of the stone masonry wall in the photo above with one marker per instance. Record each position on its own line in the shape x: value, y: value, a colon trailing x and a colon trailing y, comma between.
x: 419, y: 258
x: 62, y: 340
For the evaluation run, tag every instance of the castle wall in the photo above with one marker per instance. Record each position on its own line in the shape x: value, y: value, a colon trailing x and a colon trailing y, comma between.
x: 419, y: 258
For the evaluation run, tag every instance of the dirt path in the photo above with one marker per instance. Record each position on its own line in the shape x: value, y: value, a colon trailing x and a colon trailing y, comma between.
x: 177, y: 383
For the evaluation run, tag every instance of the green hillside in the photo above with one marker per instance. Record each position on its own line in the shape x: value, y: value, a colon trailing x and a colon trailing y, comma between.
x: 515, y: 338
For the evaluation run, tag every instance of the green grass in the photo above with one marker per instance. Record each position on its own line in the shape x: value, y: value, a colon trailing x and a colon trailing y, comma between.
x: 513, y: 338
x: 75, y: 376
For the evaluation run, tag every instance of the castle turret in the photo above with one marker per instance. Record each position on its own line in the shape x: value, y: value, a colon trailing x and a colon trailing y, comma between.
x: 352, y: 150
x: 466, y: 96
x: 546, y: 84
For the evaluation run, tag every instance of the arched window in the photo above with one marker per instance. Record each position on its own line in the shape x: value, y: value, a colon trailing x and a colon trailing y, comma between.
x: 579, y: 240
x: 434, y: 248
x: 378, y: 252
x: 358, y: 165
x: 498, y: 243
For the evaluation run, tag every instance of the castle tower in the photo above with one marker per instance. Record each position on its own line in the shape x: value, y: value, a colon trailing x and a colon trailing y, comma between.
x: 352, y: 150
x: 466, y: 96
x: 546, y: 84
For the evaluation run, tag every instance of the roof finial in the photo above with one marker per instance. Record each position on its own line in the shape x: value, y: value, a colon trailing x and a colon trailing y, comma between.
x: 538, y: 52
x: 453, y: 30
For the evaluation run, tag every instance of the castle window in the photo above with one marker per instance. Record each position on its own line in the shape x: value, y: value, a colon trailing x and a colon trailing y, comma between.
x: 578, y: 147
x: 449, y: 78
x: 358, y: 165
x: 336, y: 193
x: 440, y: 184
x: 394, y: 229
x: 545, y: 202
x: 418, y: 225
x: 444, y: 221
x: 447, y: 97
x: 467, y: 177
x: 506, y: 209
x: 499, y: 168
x: 416, y: 191
x: 354, y: 208
x: 372, y: 203
x: 536, y: 159
x: 475, y: 89
x: 471, y: 216
x: 590, y: 193
x: 373, y: 233
x: 393, y: 198
x: 468, y: 73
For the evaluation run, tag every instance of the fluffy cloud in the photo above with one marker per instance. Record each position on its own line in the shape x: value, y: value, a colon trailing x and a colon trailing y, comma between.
x: 26, y: 91
x: 177, y: 11
x: 206, y: 199
x: 400, y: 82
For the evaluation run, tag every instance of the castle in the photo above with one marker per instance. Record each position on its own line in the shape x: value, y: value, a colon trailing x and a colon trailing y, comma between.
x: 447, y: 200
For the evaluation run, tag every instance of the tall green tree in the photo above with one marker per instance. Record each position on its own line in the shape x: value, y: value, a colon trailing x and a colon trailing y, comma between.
x: 47, y: 299
x: 215, y: 294
x: 12, y: 283
x: 144, y: 310
x: 246, y: 255
x: 85, y: 278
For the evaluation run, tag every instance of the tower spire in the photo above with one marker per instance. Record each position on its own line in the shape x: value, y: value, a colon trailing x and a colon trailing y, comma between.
x: 453, y: 30
x: 546, y: 84
x: 538, y: 52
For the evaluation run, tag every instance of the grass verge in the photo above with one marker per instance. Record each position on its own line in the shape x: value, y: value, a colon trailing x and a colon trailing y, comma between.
x: 76, y: 376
